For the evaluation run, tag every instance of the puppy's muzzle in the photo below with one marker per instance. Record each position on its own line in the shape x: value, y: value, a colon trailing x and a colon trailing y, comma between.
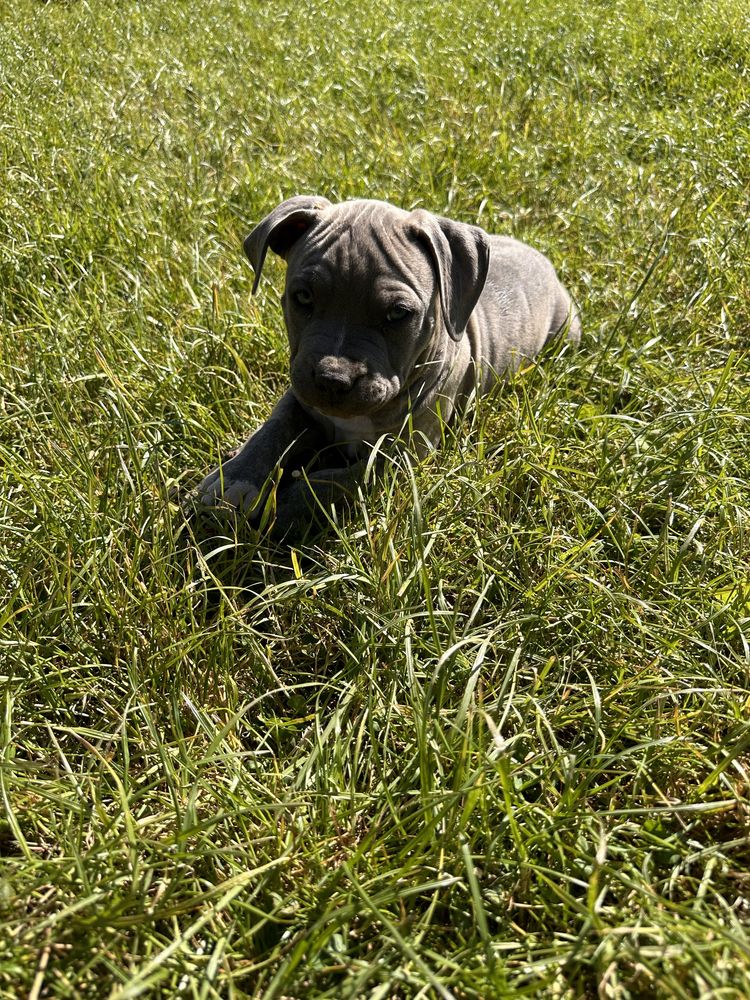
x: 336, y: 377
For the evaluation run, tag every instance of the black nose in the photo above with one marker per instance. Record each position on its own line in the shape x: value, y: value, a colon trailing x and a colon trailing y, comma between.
x: 334, y: 382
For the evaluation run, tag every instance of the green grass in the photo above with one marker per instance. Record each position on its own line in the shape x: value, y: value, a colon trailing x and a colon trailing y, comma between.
x: 489, y: 738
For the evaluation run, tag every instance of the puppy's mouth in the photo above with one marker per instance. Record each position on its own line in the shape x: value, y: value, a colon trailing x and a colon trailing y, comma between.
x: 365, y: 396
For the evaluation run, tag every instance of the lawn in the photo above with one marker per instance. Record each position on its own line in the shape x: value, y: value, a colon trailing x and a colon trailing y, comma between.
x: 488, y: 737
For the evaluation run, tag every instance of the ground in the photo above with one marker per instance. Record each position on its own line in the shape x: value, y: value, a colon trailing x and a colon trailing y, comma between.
x: 490, y: 736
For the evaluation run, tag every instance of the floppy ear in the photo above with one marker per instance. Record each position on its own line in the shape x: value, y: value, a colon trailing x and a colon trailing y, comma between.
x: 281, y: 229
x: 460, y: 255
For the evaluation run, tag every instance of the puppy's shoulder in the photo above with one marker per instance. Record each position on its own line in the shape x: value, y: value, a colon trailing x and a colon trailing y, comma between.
x: 509, y: 248
x: 516, y: 259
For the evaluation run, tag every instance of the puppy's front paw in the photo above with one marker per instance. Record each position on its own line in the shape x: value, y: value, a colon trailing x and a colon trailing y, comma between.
x: 221, y: 485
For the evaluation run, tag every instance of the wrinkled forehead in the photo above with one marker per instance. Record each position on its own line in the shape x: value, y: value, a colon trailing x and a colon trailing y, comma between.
x: 368, y: 249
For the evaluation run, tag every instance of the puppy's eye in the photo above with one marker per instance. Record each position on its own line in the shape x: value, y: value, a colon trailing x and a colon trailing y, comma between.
x: 397, y: 313
x: 302, y: 298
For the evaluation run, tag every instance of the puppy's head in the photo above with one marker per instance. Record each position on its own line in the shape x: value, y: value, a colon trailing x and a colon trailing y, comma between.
x: 371, y: 294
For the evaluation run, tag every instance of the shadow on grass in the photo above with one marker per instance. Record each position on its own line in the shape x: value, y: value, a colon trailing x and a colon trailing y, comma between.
x: 239, y: 557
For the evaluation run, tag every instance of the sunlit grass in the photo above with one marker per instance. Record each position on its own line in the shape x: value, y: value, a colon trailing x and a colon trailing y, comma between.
x: 489, y: 736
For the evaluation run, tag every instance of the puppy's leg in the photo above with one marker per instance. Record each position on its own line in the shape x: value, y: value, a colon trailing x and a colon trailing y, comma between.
x: 305, y: 501
x: 241, y: 479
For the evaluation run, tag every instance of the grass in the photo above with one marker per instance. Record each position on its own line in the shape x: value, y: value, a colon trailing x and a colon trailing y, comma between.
x: 490, y: 737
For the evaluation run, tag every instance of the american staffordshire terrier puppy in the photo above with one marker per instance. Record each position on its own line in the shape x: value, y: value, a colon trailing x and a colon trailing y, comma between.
x: 394, y: 318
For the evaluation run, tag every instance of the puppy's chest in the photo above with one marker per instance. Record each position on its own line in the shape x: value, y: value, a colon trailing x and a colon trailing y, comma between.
x: 351, y: 433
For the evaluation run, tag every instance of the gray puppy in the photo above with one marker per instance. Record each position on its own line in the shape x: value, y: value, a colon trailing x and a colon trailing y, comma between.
x: 394, y: 318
